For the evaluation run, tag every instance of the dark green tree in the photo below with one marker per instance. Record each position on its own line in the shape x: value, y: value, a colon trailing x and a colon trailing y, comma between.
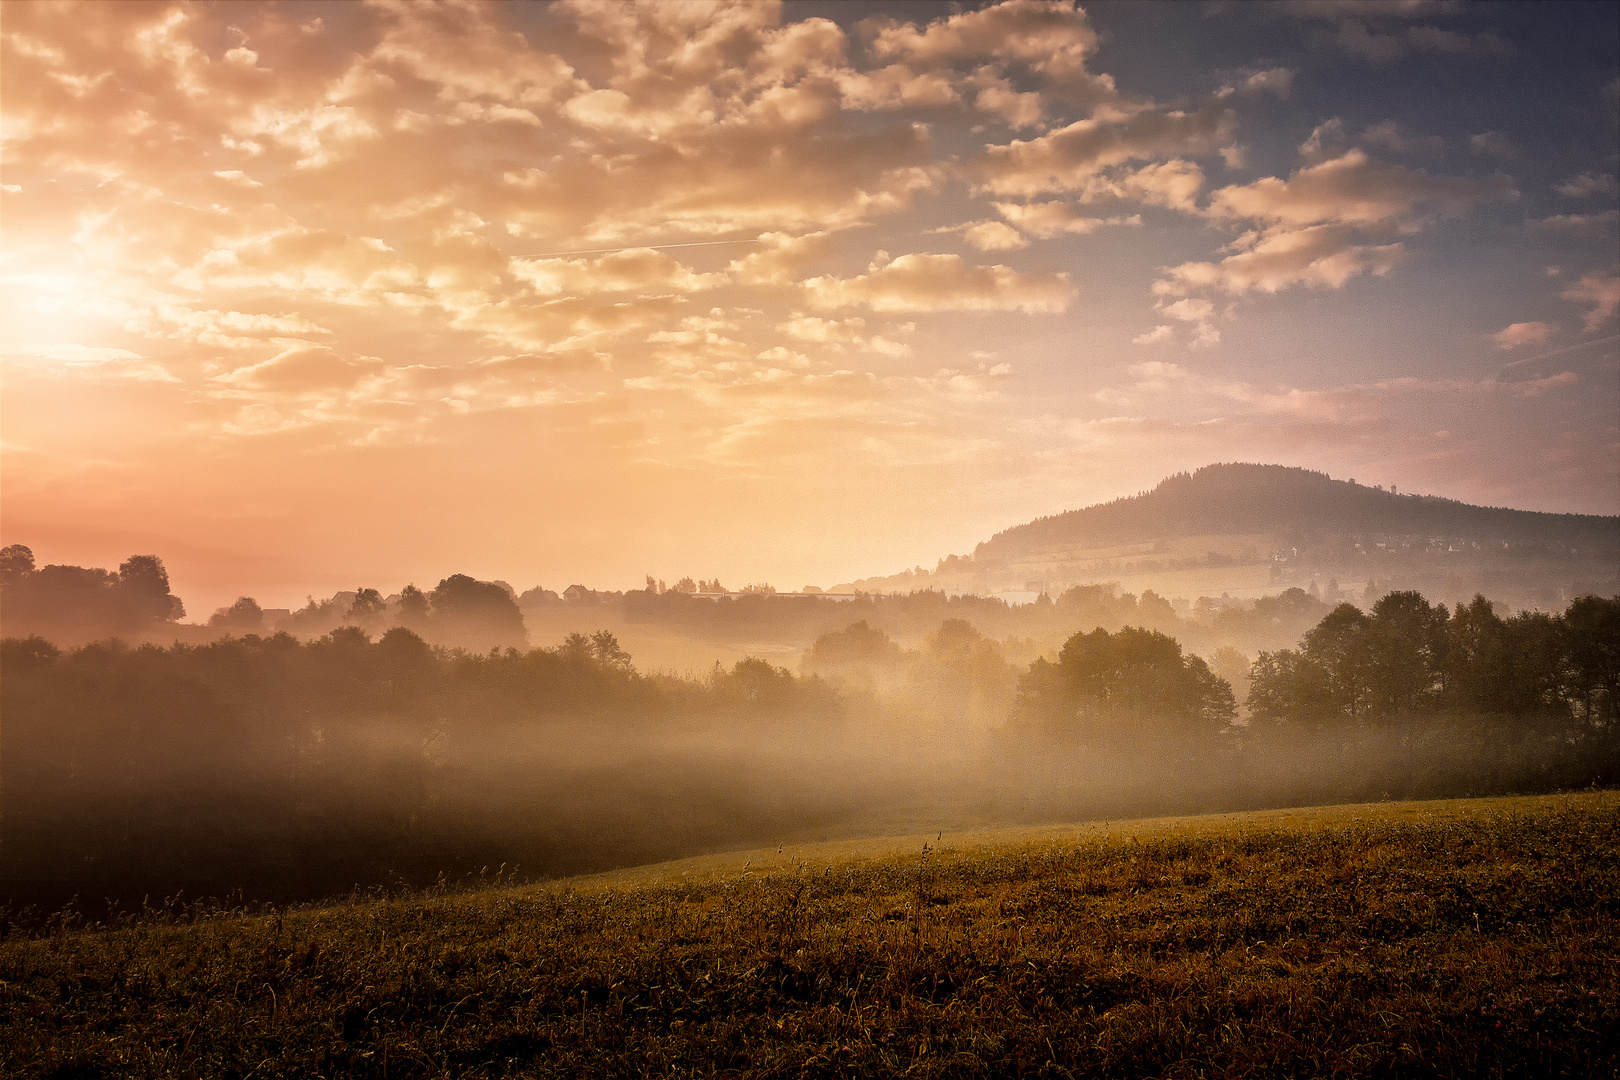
x: 1339, y: 645
x: 1592, y: 625
x: 1127, y: 684
x: 1406, y: 643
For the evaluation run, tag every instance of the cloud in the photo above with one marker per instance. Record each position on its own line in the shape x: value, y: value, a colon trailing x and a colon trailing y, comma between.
x: 303, y: 369
x: 1391, y: 136
x: 1359, y: 39
x: 1588, y: 184
x: 1326, y: 140
x: 811, y: 328
x: 1071, y: 158
x: 987, y: 235
x: 1379, y: 31
x: 1356, y: 403
x: 998, y: 97
x: 1323, y: 256
x: 1200, y: 313
x: 1493, y: 144
x: 1191, y: 310
x: 1523, y: 333
x: 632, y: 270
x: 779, y: 257
x: 1355, y: 189
x: 1602, y: 291
x: 1577, y: 226
x: 925, y: 282
x: 1327, y: 223
x: 1278, y: 81
x: 1394, y: 9
x: 1048, y: 219
x: 237, y: 177
x: 1157, y: 335
x: 1052, y: 38
x: 94, y: 361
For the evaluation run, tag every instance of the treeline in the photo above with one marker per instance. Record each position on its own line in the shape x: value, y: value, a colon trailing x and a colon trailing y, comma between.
x: 72, y: 605
x: 1407, y: 700
x: 79, y: 603
x: 1409, y: 658
x: 292, y: 769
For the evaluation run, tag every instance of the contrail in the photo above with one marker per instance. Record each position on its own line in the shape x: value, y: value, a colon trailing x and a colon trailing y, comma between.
x: 1560, y: 352
x: 631, y: 247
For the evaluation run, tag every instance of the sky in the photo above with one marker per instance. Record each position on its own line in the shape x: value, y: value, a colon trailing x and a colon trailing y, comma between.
x: 304, y: 296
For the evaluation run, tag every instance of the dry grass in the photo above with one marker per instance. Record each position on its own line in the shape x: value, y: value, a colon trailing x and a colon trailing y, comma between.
x: 1462, y: 938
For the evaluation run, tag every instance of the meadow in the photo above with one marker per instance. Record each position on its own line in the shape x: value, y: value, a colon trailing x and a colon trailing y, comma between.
x: 1456, y: 938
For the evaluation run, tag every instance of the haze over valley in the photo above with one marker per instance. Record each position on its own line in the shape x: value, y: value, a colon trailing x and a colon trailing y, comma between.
x: 943, y: 538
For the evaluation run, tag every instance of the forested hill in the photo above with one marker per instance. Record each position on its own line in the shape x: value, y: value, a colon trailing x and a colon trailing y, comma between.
x: 1240, y: 498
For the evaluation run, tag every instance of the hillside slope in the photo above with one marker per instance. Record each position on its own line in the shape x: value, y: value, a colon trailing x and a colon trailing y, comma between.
x: 1424, y: 939
x: 1253, y: 530
x: 1243, y: 498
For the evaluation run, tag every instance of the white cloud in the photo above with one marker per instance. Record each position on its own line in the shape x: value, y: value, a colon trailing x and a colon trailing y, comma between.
x: 1522, y: 333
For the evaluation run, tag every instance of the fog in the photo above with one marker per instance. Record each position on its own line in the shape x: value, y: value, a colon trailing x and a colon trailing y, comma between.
x: 270, y: 768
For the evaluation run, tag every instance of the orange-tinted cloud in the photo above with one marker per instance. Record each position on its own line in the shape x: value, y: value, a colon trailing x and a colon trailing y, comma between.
x: 925, y: 282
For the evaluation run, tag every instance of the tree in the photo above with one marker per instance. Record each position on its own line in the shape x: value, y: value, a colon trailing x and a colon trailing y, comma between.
x: 857, y: 645
x: 143, y: 587
x: 1289, y: 686
x: 368, y: 611
x: 606, y: 651
x: 16, y: 563
x: 1476, y: 660
x: 1339, y: 645
x: 1406, y: 643
x: 413, y: 608
x: 476, y: 614
x: 1136, y: 681
x: 1232, y: 666
x: 1593, y: 628
x: 245, y: 617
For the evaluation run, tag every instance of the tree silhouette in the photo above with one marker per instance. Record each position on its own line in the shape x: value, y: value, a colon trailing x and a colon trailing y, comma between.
x: 16, y: 563
x: 245, y: 617
x: 1133, y: 683
x: 476, y: 615
x: 74, y: 604
x: 368, y: 611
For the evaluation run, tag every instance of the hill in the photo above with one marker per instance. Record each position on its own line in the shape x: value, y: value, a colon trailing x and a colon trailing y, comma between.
x: 1241, y: 498
x: 1248, y: 529
x: 1468, y: 938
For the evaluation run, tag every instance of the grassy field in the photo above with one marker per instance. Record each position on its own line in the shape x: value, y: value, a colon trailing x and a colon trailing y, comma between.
x: 1461, y: 938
